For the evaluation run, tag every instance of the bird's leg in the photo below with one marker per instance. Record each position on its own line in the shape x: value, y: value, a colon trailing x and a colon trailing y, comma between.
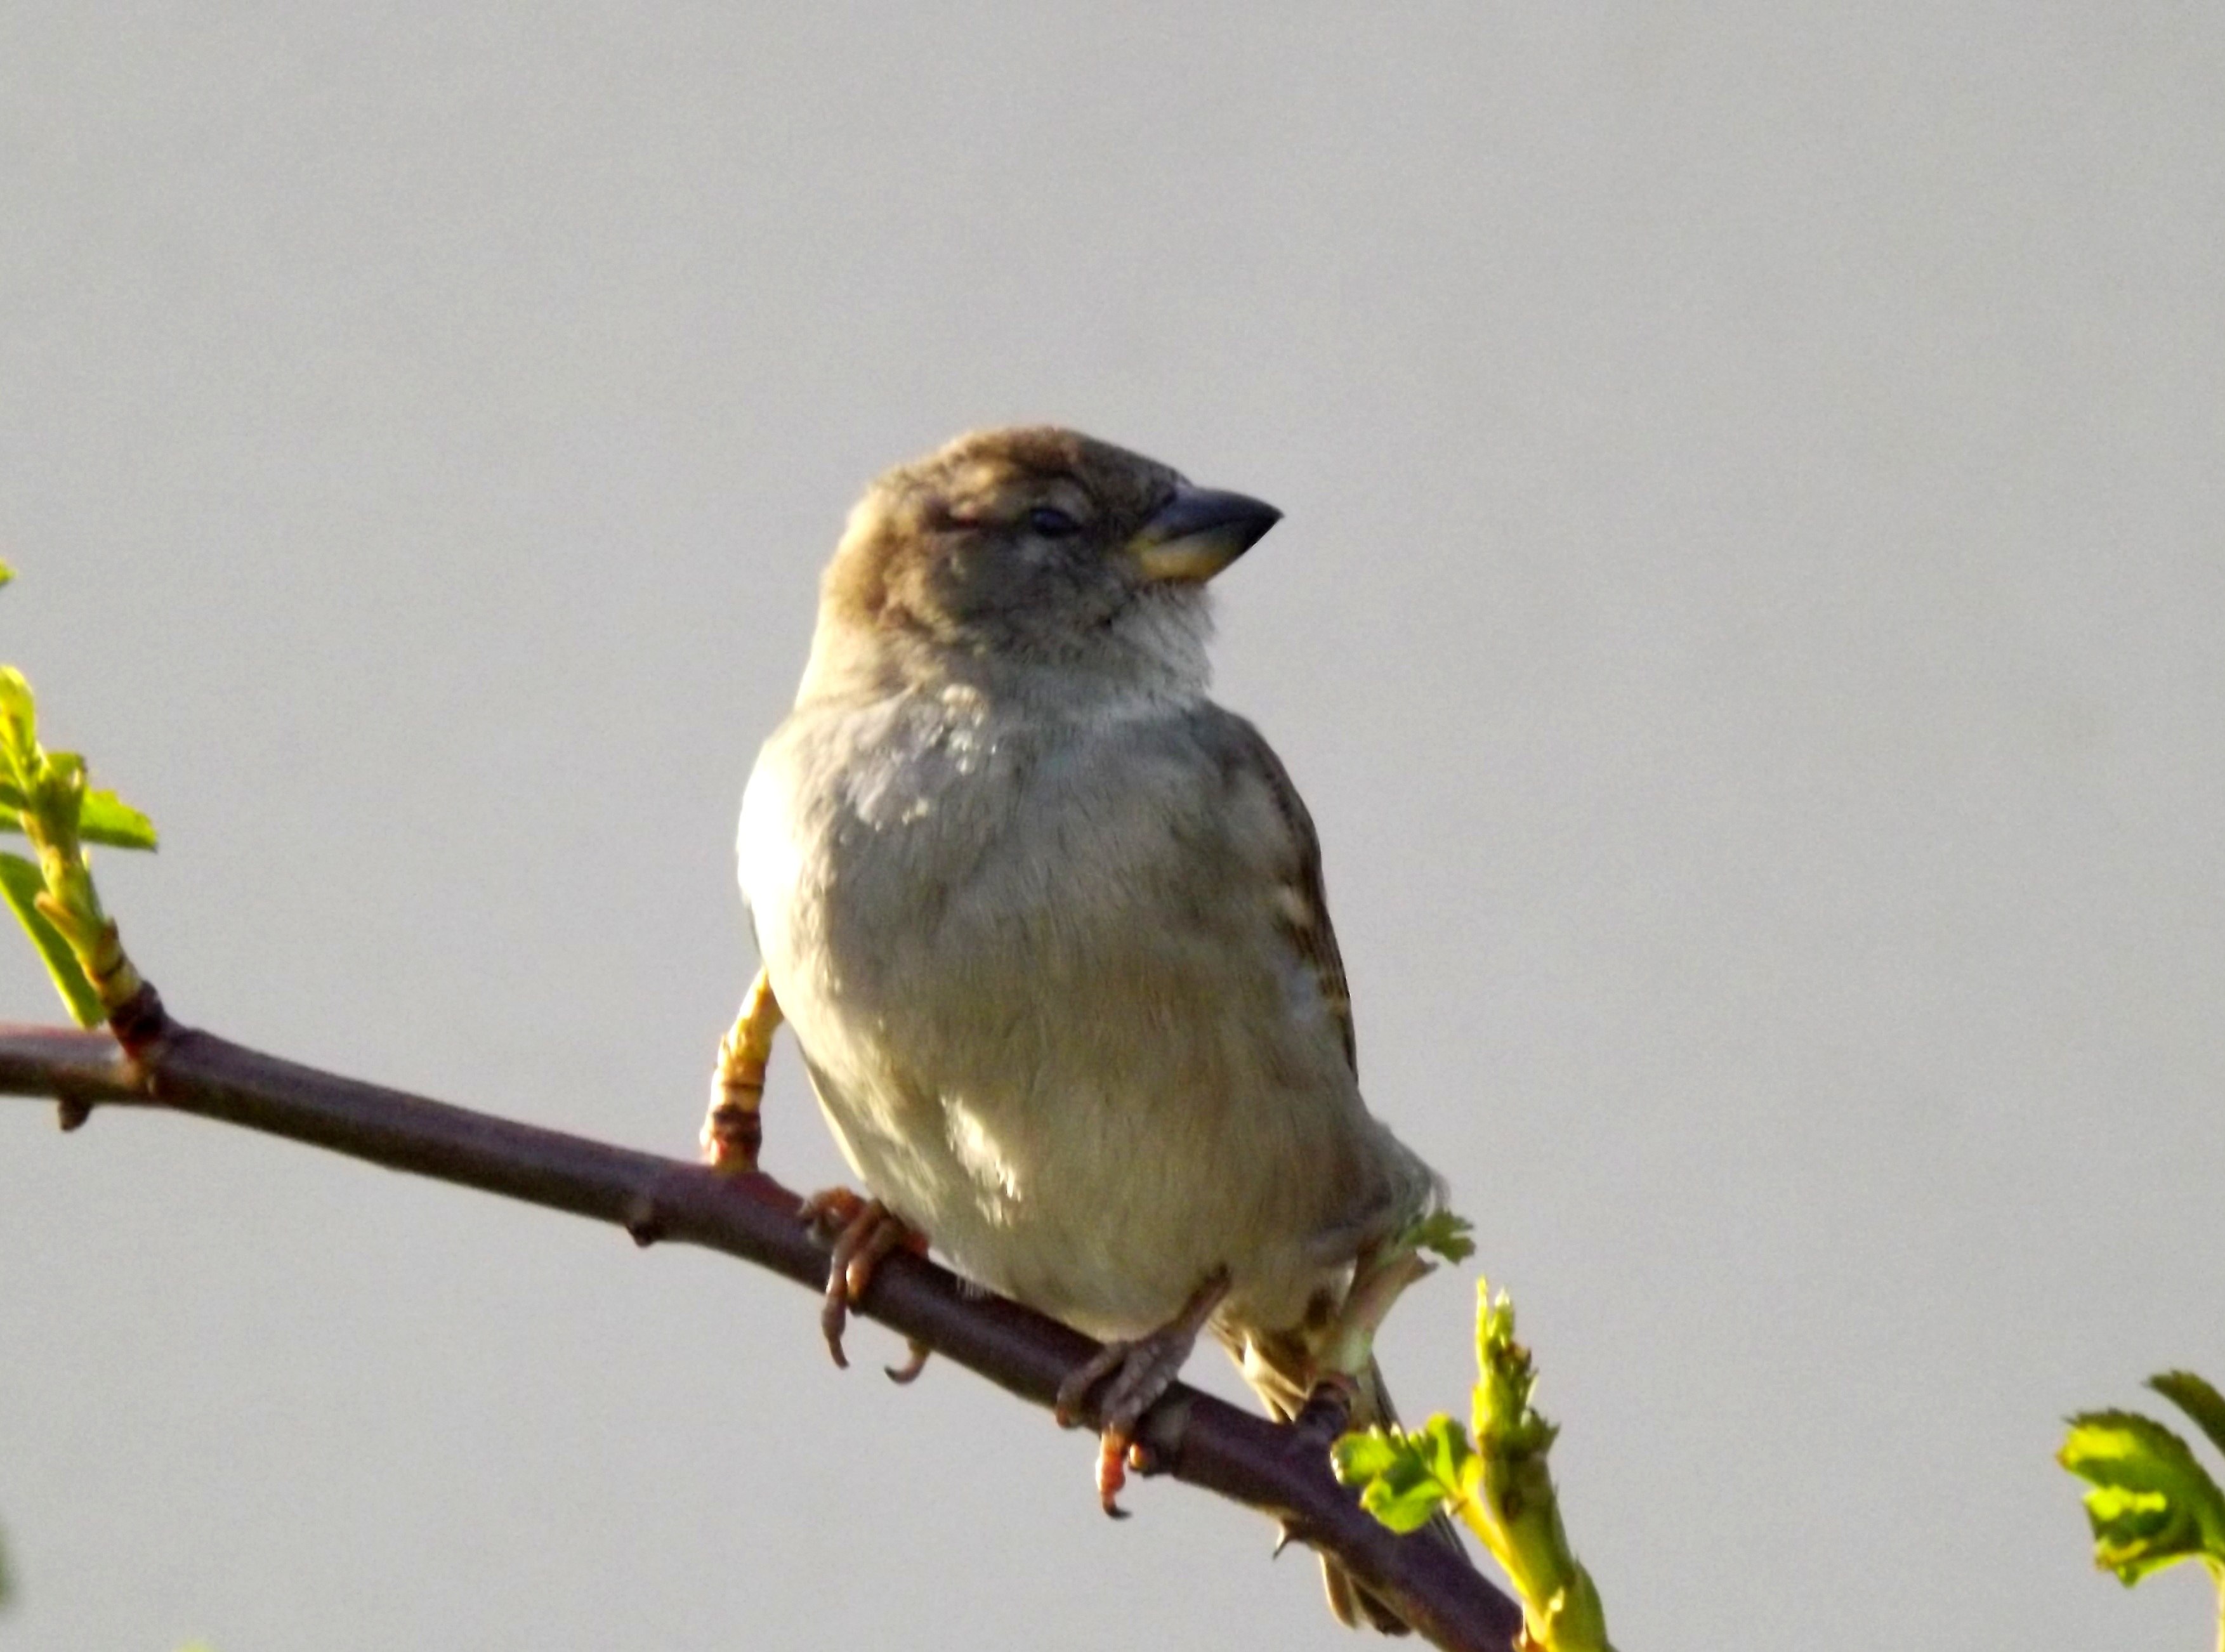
x: 1141, y: 1372
x: 1378, y: 1278
x: 864, y: 1232
x: 732, y: 1131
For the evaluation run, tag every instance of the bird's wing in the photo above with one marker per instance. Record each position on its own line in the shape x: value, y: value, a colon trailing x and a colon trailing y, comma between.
x: 1301, y: 902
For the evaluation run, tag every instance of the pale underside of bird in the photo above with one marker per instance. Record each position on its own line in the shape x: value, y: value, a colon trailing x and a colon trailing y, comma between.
x: 1048, y: 924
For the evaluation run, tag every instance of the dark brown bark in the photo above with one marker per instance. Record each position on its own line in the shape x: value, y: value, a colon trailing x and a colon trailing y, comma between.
x: 1192, y: 1436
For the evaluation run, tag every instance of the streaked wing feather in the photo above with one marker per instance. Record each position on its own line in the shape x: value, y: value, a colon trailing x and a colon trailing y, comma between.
x: 1303, y: 911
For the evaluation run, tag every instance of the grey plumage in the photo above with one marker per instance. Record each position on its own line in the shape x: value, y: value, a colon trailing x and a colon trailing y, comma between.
x: 1048, y: 924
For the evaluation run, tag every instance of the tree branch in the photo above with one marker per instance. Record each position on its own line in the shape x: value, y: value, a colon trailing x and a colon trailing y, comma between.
x: 1191, y: 1435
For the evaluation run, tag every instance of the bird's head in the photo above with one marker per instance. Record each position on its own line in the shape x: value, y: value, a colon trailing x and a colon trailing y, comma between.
x: 1015, y: 551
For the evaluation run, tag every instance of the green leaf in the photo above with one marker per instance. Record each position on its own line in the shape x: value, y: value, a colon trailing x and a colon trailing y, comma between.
x: 1404, y: 1478
x: 6, y: 574
x: 1403, y: 1507
x: 106, y: 818
x: 1444, y: 1233
x: 1360, y: 1458
x: 102, y: 818
x: 2200, y: 1402
x: 1445, y: 1444
x: 19, y: 728
x: 21, y: 881
x: 2153, y: 1504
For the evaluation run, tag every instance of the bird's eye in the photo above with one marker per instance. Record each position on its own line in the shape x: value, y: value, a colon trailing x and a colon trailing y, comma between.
x: 1052, y: 522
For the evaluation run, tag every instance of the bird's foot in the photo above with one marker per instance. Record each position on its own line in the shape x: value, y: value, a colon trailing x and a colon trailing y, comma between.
x: 1328, y: 1411
x: 1139, y: 1373
x: 864, y: 1231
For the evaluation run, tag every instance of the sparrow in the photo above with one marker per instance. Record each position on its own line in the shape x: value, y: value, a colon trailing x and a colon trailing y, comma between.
x: 1048, y: 926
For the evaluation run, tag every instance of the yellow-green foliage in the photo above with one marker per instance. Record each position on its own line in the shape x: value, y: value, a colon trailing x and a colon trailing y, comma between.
x: 1498, y: 1483
x: 44, y: 796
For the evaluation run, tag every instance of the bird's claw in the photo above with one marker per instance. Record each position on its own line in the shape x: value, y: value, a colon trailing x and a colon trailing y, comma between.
x: 914, y: 1363
x: 1117, y: 1453
x: 1136, y: 1374
x: 1140, y: 1371
x: 864, y: 1232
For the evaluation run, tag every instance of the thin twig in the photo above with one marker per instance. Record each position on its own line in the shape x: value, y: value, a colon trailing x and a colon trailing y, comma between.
x: 1192, y: 1435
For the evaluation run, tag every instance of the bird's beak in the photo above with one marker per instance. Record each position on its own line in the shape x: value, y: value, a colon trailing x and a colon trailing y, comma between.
x: 1199, y: 532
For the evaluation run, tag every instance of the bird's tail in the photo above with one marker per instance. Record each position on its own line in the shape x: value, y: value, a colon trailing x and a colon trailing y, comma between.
x: 1282, y: 1376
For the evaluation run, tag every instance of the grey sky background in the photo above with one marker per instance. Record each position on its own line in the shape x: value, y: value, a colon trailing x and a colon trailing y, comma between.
x: 1748, y: 623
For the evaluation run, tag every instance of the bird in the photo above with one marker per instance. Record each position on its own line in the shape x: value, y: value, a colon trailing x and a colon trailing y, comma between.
x: 1047, y: 924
